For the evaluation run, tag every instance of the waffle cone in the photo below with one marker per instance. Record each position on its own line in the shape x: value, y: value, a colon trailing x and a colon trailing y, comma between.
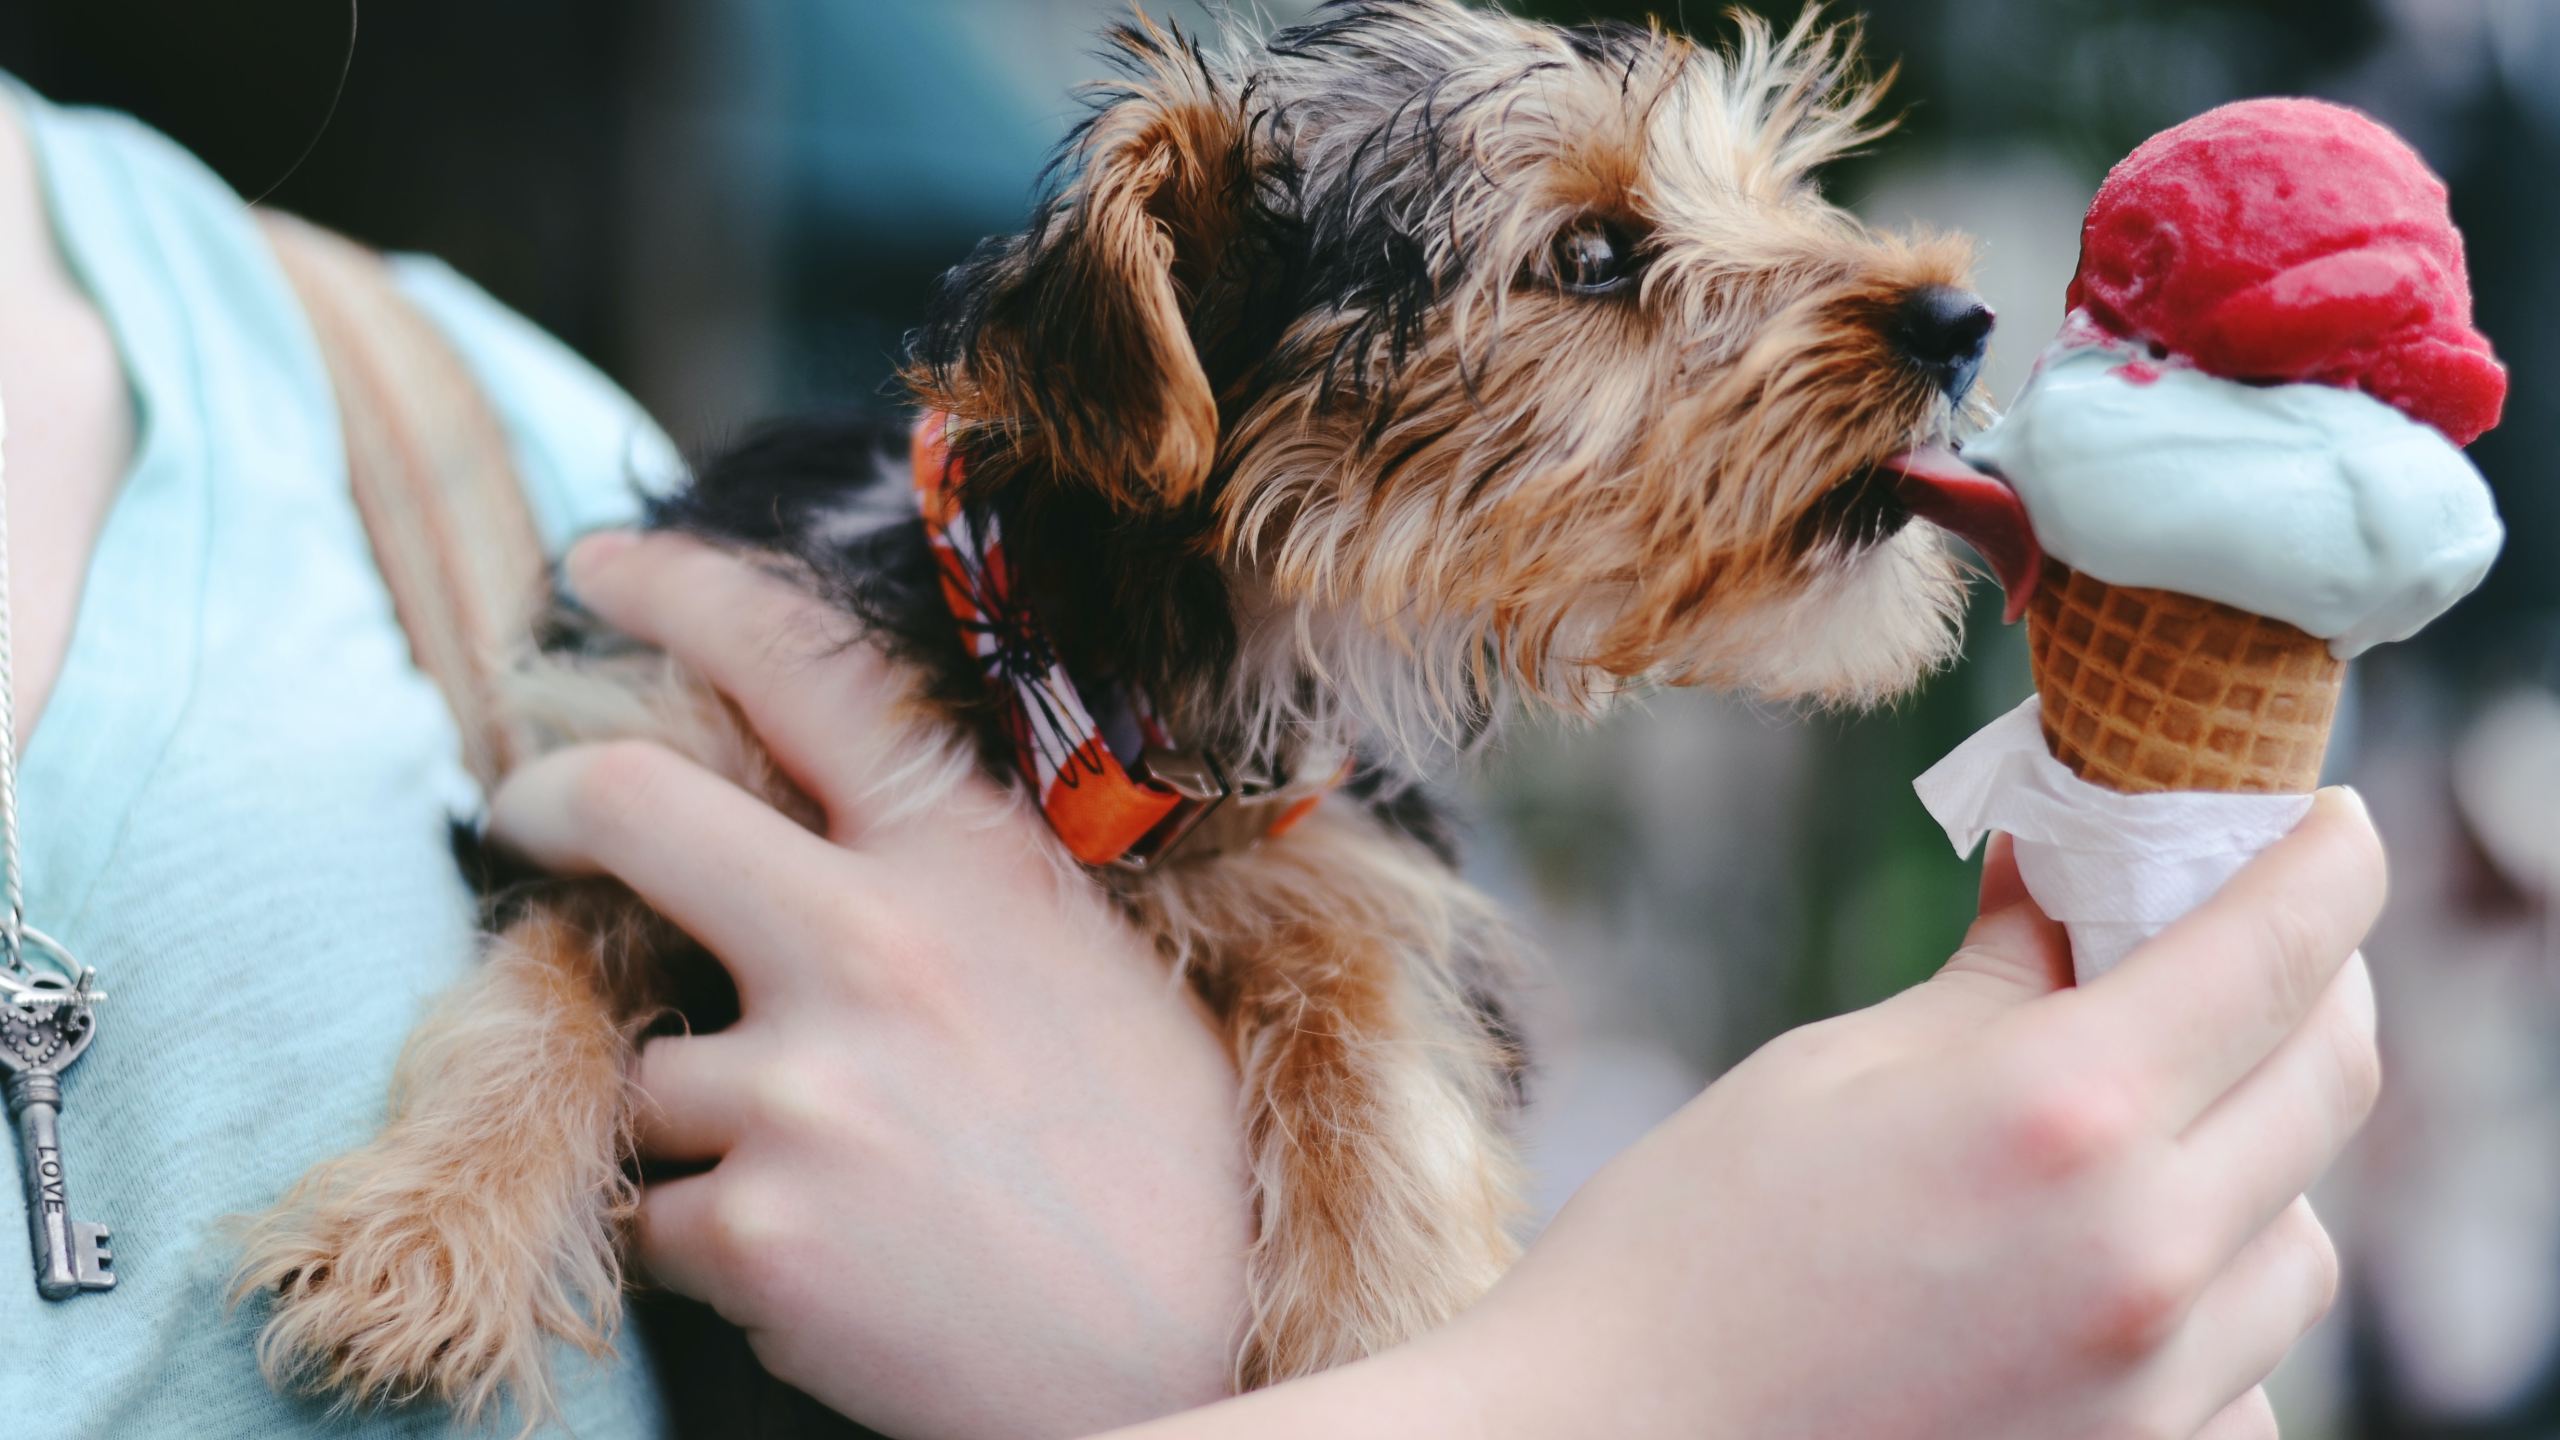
x: 2146, y: 690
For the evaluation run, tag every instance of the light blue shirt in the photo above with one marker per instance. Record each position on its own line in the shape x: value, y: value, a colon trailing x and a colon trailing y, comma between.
x: 236, y: 799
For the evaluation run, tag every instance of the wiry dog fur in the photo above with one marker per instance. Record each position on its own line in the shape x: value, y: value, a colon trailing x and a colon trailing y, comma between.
x: 1355, y: 386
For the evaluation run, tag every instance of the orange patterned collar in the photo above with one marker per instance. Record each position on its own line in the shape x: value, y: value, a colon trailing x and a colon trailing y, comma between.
x: 1113, y: 782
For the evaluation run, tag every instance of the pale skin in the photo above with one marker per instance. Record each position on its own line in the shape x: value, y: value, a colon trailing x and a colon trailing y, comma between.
x: 71, y: 425
x: 977, y: 1170
x: 976, y: 1175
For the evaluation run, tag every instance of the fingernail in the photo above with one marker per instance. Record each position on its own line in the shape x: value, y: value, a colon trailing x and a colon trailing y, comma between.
x: 597, y: 550
x: 2349, y: 795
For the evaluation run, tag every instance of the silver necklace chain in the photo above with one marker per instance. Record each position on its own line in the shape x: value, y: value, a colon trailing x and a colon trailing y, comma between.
x: 13, y: 920
x: 63, y: 981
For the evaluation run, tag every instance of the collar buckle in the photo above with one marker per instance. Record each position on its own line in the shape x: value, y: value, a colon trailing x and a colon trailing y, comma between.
x: 1200, y: 781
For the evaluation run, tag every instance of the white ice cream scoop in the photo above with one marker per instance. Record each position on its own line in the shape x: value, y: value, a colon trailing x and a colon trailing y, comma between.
x: 2311, y: 504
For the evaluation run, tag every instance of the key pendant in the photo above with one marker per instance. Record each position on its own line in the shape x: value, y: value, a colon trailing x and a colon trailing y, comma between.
x: 45, y: 1022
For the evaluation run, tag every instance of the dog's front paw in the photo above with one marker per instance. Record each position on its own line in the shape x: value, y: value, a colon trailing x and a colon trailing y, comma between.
x: 1364, y: 1246
x: 393, y: 1276
x: 1384, y: 1176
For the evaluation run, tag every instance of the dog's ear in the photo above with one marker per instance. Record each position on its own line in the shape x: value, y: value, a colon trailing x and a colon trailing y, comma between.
x: 1074, y: 339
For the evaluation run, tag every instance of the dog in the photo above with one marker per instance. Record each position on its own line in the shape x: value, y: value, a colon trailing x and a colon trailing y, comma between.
x: 1354, y: 387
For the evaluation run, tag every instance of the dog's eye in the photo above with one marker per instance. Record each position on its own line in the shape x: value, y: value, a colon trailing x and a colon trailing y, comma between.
x: 1593, y: 257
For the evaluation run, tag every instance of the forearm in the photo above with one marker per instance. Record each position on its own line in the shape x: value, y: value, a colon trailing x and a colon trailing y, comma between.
x: 1430, y: 1390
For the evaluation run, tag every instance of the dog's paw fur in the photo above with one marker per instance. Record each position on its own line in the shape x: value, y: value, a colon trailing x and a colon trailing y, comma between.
x: 445, y: 1260
x: 1369, y: 1240
x: 384, y: 1285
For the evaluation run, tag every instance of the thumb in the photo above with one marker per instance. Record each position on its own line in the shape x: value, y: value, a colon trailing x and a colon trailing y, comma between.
x: 2002, y: 885
x: 2019, y: 949
x: 2013, y: 953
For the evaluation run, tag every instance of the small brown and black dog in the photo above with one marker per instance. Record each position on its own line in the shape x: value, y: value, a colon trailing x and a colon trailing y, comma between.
x: 1356, y: 386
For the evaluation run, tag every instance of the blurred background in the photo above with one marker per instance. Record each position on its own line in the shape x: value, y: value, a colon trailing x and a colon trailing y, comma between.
x: 735, y: 206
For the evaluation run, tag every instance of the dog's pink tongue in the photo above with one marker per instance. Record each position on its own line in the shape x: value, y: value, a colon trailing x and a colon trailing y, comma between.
x: 1938, y: 486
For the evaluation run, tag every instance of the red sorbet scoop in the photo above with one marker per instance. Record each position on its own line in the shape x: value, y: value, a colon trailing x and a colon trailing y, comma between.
x: 2282, y: 240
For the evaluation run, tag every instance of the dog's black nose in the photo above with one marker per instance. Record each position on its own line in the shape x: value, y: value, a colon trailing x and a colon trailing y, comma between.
x: 1944, y: 331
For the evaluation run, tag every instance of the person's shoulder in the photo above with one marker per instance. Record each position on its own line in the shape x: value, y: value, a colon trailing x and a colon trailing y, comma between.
x: 133, y: 143
x: 586, y: 451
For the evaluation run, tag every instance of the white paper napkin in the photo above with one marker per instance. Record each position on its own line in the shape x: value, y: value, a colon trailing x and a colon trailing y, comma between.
x: 2114, y: 869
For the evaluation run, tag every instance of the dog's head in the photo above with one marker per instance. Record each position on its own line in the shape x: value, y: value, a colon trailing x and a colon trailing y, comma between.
x: 1479, y: 355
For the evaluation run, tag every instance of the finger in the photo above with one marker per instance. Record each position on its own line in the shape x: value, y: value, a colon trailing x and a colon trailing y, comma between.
x: 2251, y: 1417
x: 688, y: 1110
x: 2211, y: 997
x: 677, y: 1239
x: 2013, y: 952
x: 2002, y: 886
x: 2279, y: 1129
x: 2257, y: 1309
x: 729, y: 870
x: 824, y: 707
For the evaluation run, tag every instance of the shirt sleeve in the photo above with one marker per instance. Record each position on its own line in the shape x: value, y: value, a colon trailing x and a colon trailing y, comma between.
x: 586, y: 453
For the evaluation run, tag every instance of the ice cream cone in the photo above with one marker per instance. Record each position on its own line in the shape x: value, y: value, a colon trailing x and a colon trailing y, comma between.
x: 2146, y: 690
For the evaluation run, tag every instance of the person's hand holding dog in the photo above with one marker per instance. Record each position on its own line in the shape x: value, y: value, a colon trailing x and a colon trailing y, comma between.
x: 978, y: 1162
x: 979, y: 1171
